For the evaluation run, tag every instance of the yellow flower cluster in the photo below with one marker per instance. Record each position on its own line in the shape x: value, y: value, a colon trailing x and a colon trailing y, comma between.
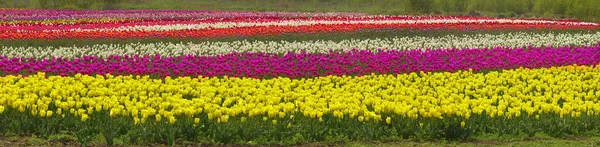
x: 565, y: 91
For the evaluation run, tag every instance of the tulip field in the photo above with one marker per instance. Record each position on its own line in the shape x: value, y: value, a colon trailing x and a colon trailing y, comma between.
x: 147, y: 77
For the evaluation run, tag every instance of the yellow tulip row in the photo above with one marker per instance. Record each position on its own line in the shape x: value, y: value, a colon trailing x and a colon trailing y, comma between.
x: 566, y: 91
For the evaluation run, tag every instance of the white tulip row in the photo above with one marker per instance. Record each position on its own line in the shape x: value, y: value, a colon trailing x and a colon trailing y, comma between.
x: 172, y: 27
x: 518, y: 39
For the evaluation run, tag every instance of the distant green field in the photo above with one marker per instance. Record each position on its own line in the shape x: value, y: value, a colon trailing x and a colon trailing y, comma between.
x: 587, y: 10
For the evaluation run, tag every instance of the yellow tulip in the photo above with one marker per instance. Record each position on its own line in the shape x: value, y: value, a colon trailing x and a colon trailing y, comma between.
x: 196, y: 120
x: 112, y: 113
x: 42, y: 113
x: 84, y: 117
x: 21, y: 109
x: 172, y: 119
x: 281, y: 115
x: 157, y: 117
x: 98, y: 108
x: 442, y: 95
x: 224, y: 118
x: 34, y: 112
x: 136, y: 121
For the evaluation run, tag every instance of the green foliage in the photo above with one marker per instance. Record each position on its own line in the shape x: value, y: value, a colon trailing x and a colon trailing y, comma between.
x: 290, y: 130
x: 420, y: 6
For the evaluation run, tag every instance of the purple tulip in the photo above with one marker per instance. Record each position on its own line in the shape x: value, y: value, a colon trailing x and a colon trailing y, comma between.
x: 354, y: 62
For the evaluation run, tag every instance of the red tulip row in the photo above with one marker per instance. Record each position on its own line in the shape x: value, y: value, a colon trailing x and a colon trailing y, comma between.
x: 276, y: 29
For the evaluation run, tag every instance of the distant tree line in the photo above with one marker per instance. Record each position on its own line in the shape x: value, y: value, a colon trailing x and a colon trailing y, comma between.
x: 581, y: 9
x: 578, y: 9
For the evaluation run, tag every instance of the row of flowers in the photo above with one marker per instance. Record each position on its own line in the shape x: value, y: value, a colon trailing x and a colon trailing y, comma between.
x: 277, y: 30
x: 24, y: 15
x: 566, y: 91
x: 107, y: 23
x: 39, y: 14
x: 298, y: 65
x: 209, y: 48
x: 247, y: 22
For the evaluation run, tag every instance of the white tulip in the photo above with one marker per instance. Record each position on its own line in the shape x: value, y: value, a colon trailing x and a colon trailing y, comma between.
x: 518, y: 39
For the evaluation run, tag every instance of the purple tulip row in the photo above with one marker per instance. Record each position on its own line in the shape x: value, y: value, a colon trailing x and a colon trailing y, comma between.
x: 355, y: 62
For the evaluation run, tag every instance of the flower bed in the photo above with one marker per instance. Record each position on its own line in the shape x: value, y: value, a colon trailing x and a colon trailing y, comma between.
x: 514, y: 83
